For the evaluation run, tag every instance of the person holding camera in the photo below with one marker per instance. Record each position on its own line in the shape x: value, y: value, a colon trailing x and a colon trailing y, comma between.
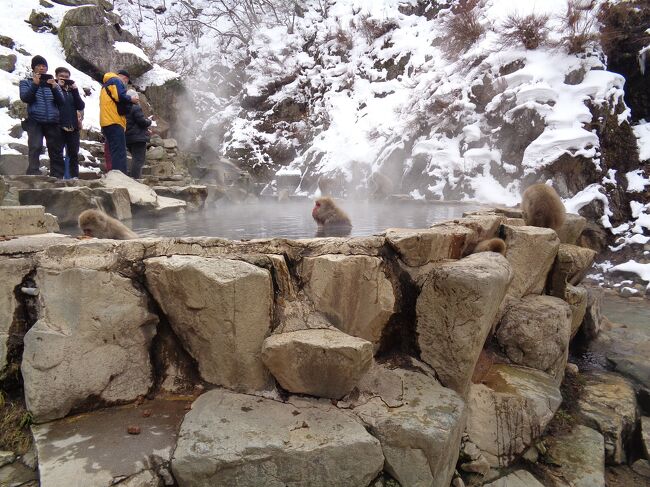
x: 44, y: 97
x: 114, y: 104
x: 69, y: 119
x: 137, y: 135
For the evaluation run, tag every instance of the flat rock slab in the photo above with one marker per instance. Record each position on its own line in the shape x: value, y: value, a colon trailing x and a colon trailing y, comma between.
x: 25, y: 220
x: 95, y: 448
x: 520, y: 478
x: 230, y: 439
x: 579, y: 457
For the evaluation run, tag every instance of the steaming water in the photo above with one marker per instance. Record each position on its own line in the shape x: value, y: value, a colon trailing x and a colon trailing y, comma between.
x: 293, y: 219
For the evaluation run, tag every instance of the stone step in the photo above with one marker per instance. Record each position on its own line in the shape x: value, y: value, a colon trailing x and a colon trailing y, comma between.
x: 26, y: 220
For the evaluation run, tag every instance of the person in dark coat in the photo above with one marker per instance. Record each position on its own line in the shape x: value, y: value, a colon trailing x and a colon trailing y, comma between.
x: 69, y: 119
x: 137, y: 135
x: 44, y: 98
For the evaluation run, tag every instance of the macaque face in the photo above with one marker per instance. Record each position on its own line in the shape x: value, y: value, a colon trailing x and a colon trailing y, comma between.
x: 314, y: 212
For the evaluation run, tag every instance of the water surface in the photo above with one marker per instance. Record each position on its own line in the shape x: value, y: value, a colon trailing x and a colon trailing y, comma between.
x: 292, y: 219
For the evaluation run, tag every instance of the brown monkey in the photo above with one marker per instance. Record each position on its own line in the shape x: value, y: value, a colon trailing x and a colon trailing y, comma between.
x: 95, y: 223
x: 332, y: 221
x: 491, y: 245
x: 542, y: 207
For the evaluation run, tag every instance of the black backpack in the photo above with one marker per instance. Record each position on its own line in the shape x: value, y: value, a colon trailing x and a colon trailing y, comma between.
x: 123, y: 107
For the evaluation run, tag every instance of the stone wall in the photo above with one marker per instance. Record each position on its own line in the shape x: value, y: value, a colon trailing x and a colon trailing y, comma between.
x: 294, y: 342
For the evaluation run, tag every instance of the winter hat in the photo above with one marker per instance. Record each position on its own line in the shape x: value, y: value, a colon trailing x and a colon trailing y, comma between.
x: 133, y: 94
x: 124, y: 72
x: 36, y: 60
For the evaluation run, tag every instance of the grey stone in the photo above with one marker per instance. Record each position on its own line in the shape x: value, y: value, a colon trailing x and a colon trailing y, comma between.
x: 645, y: 435
x: 579, y: 457
x: 419, y: 247
x: 92, y: 338
x: 16, y: 475
x: 25, y: 220
x: 520, y: 478
x: 457, y: 304
x: 8, y: 62
x: 322, y: 363
x: 12, y: 272
x: 577, y: 297
x: 236, y: 439
x: 571, y: 228
x: 420, y: 438
x: 206, y: 298
x: 642, y: 467
x: 535, y: 332
x: 13, y: 164
x: 6, y: 457
x: 570, y: 267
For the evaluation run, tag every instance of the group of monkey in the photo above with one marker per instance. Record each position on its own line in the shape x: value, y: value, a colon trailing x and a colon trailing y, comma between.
x: 541, y: 207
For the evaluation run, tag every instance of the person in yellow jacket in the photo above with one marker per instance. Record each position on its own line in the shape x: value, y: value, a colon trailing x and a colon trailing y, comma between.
x: 114, y: 104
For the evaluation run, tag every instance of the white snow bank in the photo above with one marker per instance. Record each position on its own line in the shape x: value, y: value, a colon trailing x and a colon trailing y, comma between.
x: 642, y: 132
x: 128, y: 48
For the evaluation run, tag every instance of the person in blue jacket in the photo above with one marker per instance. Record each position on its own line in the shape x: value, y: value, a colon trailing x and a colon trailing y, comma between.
x: 69, y: 119
x: 44, y: 97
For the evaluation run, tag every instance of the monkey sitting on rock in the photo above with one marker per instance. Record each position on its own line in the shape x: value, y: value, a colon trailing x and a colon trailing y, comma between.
x: 332, y: 221
x: 542, y: 207
x: 95, y: 223
x: 491, y: 245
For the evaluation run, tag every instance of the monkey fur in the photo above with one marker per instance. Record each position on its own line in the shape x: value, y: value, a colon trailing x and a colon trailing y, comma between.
x: 491, y: 245
x: 542, y: 207
x: 332, y: 221
x: 95, y: 223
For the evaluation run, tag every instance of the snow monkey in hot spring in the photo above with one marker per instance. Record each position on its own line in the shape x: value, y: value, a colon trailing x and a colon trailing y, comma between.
x: 95, y: 223
x: 542, y: 207
x: 332, y: 221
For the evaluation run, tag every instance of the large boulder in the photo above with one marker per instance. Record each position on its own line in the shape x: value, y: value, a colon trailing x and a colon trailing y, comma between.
x: 577, y: 297
x: 571, y: 228
x: 457, y: 304
x: 90, y: 37
x: 531, y: 252
x: 420, y: 437
x: 576, y: 458
x: 67, y: 203
x: 535, y: 332
x: 351, y: 290
x: 593, y: 318
x: 571, y: 265
x: 509, y: 410
x: 322, y: 363
x: 12, y: 273
x: 142, y: 197
x: 608, y: 404
x: 236, y: 439
x: 419, y: 247
x: 26, y: 220
x: 220, y: 309
x: 92, y: 339
x: 518, y: 478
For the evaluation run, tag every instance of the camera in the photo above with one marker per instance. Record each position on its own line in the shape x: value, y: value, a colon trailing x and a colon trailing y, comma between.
x: 68, y: 82
x: 44, y: 78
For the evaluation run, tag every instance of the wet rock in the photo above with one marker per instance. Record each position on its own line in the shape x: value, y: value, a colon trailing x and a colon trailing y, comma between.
x: 12, y: 272
x: 457, y: 304
x: 577, y: 297
x: 509, y: 410
x: 570, y: 267
x: 236, y: 439
x: 67, y: 203
x: 419, y: 247
x: 530, y: 252
x: 645, y: 435
x: 66, y: 447
x: 16, y: 475
x: 578, y: 458
x: 642, y: 467
x: 535, y: 332
x: 608, y: 404
x: 194, y: 195
x: 25, y: 220
x: 91, y: 339
x: 520, y: 478
x: 322, y: 363
x: 206, y: 298
x: 352, y: 291
x: 420, y: 438
x: 142, y: 197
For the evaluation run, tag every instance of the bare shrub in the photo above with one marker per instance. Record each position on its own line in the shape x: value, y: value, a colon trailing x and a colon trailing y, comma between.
x: 463, y: 28
x: 372, y: 28
x: 579, y: 24
x: 530, y: 31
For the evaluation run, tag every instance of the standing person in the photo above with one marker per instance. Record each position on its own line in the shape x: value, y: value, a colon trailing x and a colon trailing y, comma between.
x: 70, y: 118
x: 44, y: 97
x: 114, y: 104
x: 137, y: 135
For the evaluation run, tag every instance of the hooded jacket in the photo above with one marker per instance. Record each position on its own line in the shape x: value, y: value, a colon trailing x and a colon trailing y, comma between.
x: 72, y: 103
x: 107, y: 107
x: 43, y: 102
x: 136, y: 126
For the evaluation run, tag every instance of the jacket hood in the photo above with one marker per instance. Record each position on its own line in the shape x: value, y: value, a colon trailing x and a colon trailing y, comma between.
x: 108, y: 76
